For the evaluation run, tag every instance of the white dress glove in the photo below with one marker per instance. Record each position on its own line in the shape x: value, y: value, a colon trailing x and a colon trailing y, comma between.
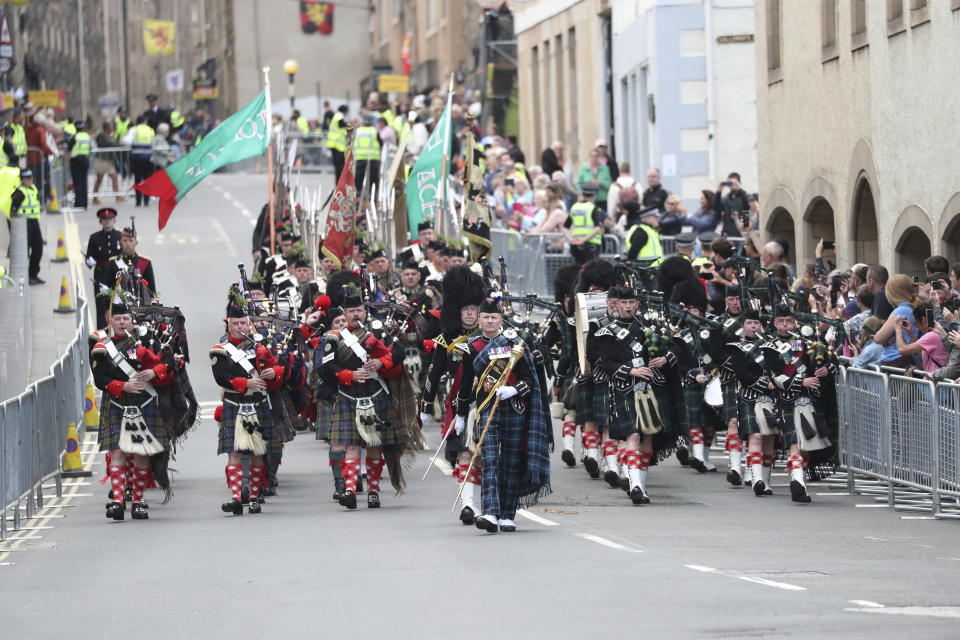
x: 459, y: 424
x: 91, y: 262
x: 424, y: 417
x: 505, y: 393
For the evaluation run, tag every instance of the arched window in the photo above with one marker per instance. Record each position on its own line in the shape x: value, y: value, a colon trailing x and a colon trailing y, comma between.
x: 912, y: 248
x: 865, y: 239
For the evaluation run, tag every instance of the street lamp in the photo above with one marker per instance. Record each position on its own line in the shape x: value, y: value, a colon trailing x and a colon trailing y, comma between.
x: 290, y: 67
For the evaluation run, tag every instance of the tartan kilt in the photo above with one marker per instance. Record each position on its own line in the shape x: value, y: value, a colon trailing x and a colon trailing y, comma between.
x: 729, y: 402
x: 228, y: 421
x: 109, y: 433
x: 343, y: 428
x: 786, y: 409
x: 691, y: 413
x: 623, y: 415
x: 746, y: 419
x: 584, y: 402
x: 568, y: 394
x: 601, y: 404
x: 324, y: 411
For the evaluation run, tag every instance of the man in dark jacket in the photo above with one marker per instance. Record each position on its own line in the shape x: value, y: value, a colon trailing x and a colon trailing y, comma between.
x: 730, y: 205
x: 655, y: 195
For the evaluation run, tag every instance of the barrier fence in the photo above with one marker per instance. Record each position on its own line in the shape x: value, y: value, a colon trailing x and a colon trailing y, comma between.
x: 899, y: 440
x: 34, y: 425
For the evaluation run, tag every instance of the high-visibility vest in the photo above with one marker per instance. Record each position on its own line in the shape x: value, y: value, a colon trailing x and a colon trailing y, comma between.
x: 3, y: 274
x: 30, y: 207
x: 4, y: 160
x: 176, y: 119
x: 19, y: 140
x: 81, y: 144
x: 142, y: 139
x: 121, y: 127
x: 366, y: 144
x: 652, y: 249
x: 337, y: 134
x: 303, y: 125
x: 68, y: 127
x: 699, y: 262
x: 581, y: 219
x: 9, y: 181
x: 386, y: 114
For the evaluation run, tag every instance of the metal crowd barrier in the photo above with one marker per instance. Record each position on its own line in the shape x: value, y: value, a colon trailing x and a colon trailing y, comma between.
x: 34, y: 425
x: 110, y: 166
x: 899, y: 440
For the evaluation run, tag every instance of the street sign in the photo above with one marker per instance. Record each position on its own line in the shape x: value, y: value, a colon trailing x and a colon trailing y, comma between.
x: 6, y: 45
x: 393, y: 84
x: 109, y: 103
x: 5, y: 65
x: 175, y: 80
x: 55, y: 98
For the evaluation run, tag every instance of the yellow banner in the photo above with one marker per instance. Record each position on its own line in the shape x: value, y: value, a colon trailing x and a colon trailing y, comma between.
x: 7, y: 101
x: 56, y: 98
x: 159, y: 37
x: 393, y: 84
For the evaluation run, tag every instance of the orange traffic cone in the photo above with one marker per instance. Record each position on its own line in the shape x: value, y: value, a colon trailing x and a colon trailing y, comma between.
x: 72, y: 463
x: 61, y: 253
x: 54, y: 206
x: 64, y: 306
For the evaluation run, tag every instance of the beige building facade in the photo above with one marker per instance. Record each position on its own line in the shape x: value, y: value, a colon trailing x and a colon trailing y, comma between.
x: 855, y: 128
x: 561, y: 60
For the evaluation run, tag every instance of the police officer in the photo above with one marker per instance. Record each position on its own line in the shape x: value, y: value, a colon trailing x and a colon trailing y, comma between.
x: 584, y: 225
x: 643, y: 238
x: 103, y: 245
x: 366, y: 151
x: 337, y: 140
x: 26, y: 202
x: 80, y: 163
x: 140, y: 139
x: 19, y: 135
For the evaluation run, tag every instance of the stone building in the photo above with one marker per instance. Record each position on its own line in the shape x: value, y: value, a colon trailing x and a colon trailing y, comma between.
x: 855, y: 133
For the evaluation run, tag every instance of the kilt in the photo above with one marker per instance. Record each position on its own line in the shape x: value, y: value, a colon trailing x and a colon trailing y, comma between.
x: 623, y: 415
x: 343, y: 428
x: 109, y: 433
x: 229, y: 418
x: 503, y: 462
x: 584, y: 402
x: 786, y: 409
x: 568, y: 394
x: 283, y: 412
x: 729, y: 402
x: 601, y: 404
x: 324, y: 411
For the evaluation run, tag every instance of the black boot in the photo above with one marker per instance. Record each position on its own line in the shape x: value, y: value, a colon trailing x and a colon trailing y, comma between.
x: 139, y: 511
x: 254, y: 506
x: 733, y: 477
x: 760, y: 488
x: 233, y: 506
x: 115, y: 510
x: 798, y: 492
x: 349, y: 500
x: 696, y: 463
x: 592, y: 467
x: 373, y: 500
x: 568, y: 458
x: 638, y: 497
x: 467, y: 516
x: 339, y: 486
x: 612, y: 478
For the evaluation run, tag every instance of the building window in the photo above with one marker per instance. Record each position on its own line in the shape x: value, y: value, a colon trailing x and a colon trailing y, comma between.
x: 919, y: 12
x: 774, y: 46
x: 535, y: 85
x: 894, y: 17
x: 828, y: 29
x: 383, y: 11
x: 858, y: 24
x: 573, y: 121
x: 431, y: 15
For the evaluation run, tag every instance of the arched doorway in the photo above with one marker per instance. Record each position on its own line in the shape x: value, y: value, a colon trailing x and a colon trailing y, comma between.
x: 949, y: 229
x: 912, y: 248
x: 780, y: 226
x: 819, y: 224
x: 865, y: 239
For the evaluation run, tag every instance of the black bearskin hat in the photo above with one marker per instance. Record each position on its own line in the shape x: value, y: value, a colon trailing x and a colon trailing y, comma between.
x: 689, y: 293
x: 564, y: 280
x: 461, y: 287
x: 335, y: 283
x: 597, y: 273
x: 673, y: 270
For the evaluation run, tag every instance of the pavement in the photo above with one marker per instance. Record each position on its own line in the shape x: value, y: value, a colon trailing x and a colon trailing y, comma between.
x: 703, y: 560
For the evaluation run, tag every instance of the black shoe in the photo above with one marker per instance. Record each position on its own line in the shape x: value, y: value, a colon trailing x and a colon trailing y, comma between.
x: 339, y: 486
x: 612, y: 478
x: 139, y: 511
x: 268, y: 491
x: 373, y: 500
x: 509, y: 528
x: 233, y: 506
x: 485, y: 525
x: 467, y: 516
x: 733, y: 477
x: 696, y: 463
x: 254, y: 506
x: 115, y: 510
x: 683, y: 455
x: 592, y: 467
x: 568, y: 458
x: 638, y: 497
x: 798, y: 492
x: 35, y: 280
x: 760, y: 489
x: 348, y: 500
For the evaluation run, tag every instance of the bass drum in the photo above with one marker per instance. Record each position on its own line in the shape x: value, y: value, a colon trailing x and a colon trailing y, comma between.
x: 586, y: 307
x: 713, y: 394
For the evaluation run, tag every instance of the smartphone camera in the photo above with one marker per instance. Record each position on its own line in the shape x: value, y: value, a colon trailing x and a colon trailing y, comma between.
x: 828, y: 244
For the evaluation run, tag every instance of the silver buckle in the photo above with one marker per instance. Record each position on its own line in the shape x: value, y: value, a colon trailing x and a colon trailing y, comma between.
x: 246, y: 409
x: 364, y: 403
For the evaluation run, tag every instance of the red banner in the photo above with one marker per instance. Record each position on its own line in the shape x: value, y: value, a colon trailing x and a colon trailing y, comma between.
x: 341, y: 228
x: 316, y: 17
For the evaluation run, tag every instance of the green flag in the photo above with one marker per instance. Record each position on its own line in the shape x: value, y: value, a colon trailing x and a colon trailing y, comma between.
x: 243, y: 135
x: 423, y: 186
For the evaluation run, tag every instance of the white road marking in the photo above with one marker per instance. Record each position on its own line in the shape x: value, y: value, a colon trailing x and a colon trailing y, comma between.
x: 871, y: 506
x: 772, y: 583
x: 865, y: 603
x: 608, y: 543
x: 834, y: 493
x: 225, y: 238
x: 444, y: 466
x: 538, y: 519
x: 917, y: 518
x: 700, y: 568
x: 935, y: 612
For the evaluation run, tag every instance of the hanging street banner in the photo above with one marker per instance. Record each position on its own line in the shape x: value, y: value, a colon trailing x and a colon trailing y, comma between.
x: 423, y: 184
x: 159, y: 37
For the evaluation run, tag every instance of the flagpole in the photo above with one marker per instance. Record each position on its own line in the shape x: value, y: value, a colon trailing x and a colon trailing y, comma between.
x: 445, y: 159
x: 270, y: 202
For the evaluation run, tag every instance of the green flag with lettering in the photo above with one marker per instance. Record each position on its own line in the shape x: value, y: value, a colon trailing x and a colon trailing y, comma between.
x: 423, y: 184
